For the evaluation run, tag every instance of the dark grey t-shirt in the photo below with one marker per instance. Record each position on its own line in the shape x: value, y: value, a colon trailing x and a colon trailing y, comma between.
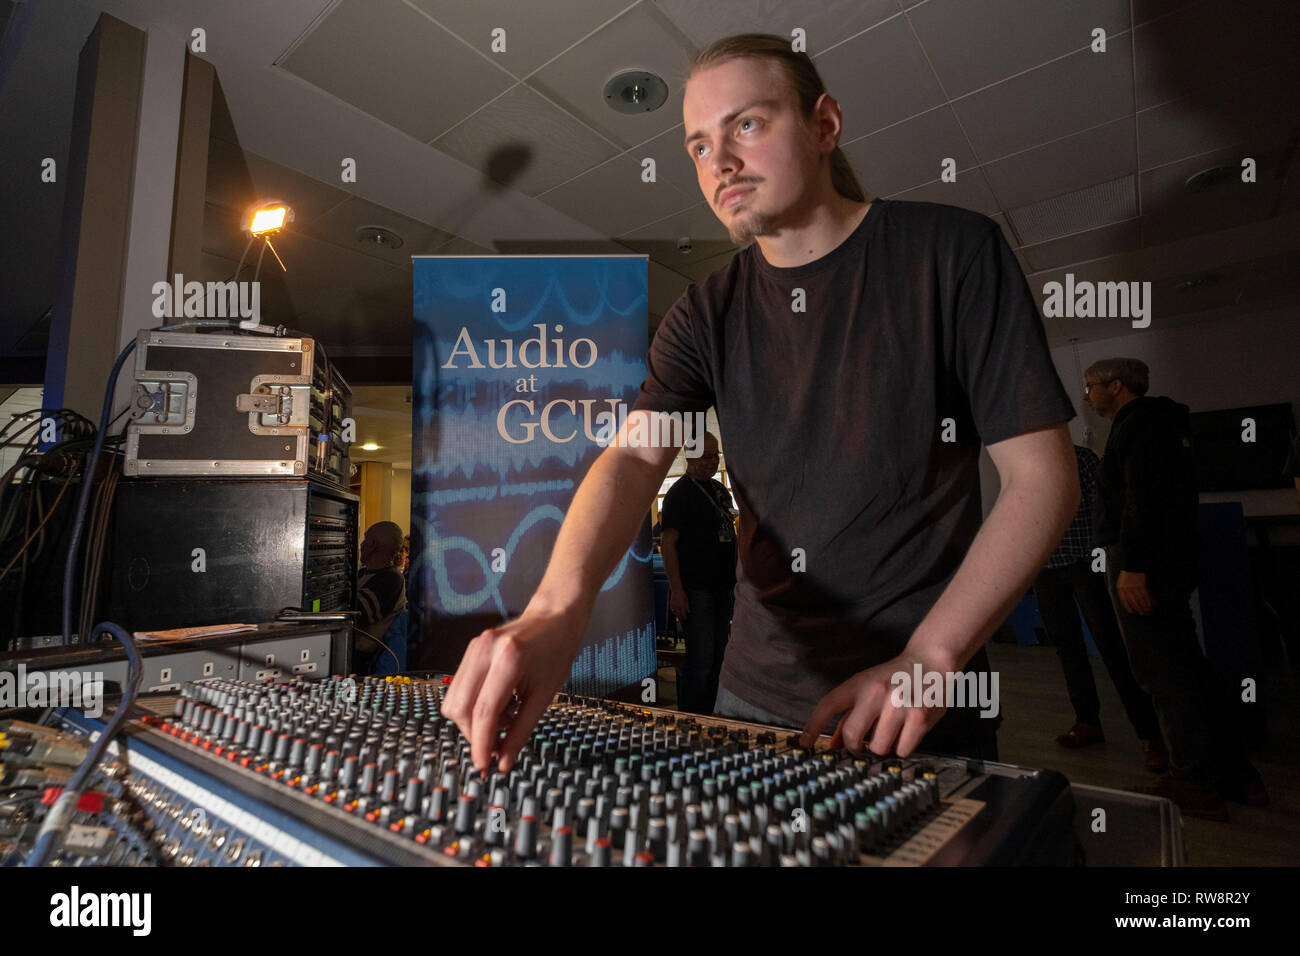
x: 855, y: 511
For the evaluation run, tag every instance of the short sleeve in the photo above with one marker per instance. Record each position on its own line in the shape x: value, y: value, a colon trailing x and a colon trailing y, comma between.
x: 677, y: 368
x: 672, y: 515
x: 1003, y: 362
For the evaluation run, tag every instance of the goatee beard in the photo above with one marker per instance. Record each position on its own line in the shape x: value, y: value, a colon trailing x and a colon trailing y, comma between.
x: 749, y: 226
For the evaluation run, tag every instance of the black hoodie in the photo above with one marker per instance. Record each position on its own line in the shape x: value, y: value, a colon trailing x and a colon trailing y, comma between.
x: 1146, y: 500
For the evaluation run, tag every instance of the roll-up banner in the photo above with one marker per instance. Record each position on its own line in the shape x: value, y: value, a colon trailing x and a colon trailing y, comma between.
x: 524, y: 368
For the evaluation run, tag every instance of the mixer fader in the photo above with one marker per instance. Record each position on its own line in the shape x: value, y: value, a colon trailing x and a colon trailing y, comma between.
x: 374, y: 768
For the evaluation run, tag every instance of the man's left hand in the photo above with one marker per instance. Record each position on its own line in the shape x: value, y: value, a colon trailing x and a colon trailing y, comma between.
x: 1131, y: 586
x: 869, y: 698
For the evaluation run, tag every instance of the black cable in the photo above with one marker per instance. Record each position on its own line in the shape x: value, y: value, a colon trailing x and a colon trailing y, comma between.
x: 56, y: 821
x: 88, y: 474
x: 240, y: 268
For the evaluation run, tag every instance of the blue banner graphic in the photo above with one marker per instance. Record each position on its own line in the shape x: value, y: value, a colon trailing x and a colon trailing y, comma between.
x: 521, y: 364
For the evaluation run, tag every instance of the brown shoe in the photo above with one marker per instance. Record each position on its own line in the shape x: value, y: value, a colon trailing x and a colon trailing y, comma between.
x: 1080, y: 735
x: 1155, y: 755
x: 1192, y: 799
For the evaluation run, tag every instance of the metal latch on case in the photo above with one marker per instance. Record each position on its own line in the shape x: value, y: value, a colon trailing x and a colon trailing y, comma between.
x: 268, y: 401
x: 162, y: 403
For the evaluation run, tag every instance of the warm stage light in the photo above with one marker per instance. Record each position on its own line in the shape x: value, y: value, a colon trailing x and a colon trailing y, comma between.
x: 267, y: 217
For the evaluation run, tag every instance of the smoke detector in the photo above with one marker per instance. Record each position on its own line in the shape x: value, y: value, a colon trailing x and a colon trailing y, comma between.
x: 379, y: 237
x: 635, y: 91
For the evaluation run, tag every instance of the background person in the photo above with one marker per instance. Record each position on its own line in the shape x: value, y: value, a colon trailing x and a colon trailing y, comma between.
x: 699, y: 549
x: 1146, y: 519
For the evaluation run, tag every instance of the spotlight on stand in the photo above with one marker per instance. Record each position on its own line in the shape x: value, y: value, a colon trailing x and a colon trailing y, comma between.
x: 260, y: 221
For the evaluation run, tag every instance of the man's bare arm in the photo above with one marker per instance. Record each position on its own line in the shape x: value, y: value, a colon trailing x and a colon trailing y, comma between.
x: 531, y: 655
x: 1037, y: 500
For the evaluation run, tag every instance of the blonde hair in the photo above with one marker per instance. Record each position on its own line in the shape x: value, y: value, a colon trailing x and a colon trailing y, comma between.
x: 803, y: 80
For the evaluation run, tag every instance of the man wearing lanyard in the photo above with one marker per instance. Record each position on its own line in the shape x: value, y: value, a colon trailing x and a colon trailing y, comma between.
x: 699, y: 548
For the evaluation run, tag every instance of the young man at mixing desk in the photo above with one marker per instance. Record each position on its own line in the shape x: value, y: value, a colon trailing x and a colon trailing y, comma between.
x: 858, y: 355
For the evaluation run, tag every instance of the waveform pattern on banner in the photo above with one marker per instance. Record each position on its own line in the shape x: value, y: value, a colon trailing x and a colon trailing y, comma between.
x: 606, y: 663
x: 521, y: 364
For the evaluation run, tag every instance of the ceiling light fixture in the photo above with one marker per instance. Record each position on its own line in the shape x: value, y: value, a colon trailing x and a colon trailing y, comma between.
x: 370, y: 446
x: 635, y: 91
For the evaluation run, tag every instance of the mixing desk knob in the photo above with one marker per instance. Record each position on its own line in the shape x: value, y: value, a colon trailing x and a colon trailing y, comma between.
x: 526, y: 838
x: 465, y: 813
x: 562, y: 846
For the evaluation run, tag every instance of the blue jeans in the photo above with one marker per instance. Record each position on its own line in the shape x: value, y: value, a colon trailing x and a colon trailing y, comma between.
x: 707, y: 627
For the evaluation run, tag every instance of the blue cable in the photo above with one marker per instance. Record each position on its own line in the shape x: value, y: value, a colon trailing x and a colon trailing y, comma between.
x: 56, y: 821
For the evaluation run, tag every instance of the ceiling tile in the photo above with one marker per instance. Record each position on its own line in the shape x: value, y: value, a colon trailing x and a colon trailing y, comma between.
x: 1170, y: 211
x: 659, y: 240
x: 1074, y: 93
x: 909, y: 153
x: 339, y: 226
x: 1024, y: 263
x: 1262, y: 105
x: 879, y: 78
x: 641, y: 39
x: 666, y: 287
x: 1007, y: 232
x: 1202, y: 43
x: 975, y: 44
x: 1093, y: 244
x: 700, y: 269
x: 456, y: 246
x: 325, y: 278
x: 1144, y: 10
x: 1276, y: 275
x: 698, y: 221
x: 968, y: 192
x: 672, y: 163
x: 1069, y: 213
x: 1166, y: 185
x: 534, y: 32
x: 237, y: 179
x: 825, y: 22
x: 525, y: 142
x: 389, y: 60
x: 1095, y: 156
x: 613, y: 199
x: 563, y: 247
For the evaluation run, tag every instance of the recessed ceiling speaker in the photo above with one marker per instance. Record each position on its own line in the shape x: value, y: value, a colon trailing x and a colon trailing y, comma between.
x: 1199, y: 282
x: 635, y: 91
x: 1212, y: 178
x: 379, y: 236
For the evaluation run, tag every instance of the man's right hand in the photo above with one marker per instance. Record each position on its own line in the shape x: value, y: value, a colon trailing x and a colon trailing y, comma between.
x: 678, y: 604
x: 528, y: 658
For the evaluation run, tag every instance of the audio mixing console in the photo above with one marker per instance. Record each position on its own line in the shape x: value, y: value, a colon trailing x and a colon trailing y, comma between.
x: 369, y: 773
